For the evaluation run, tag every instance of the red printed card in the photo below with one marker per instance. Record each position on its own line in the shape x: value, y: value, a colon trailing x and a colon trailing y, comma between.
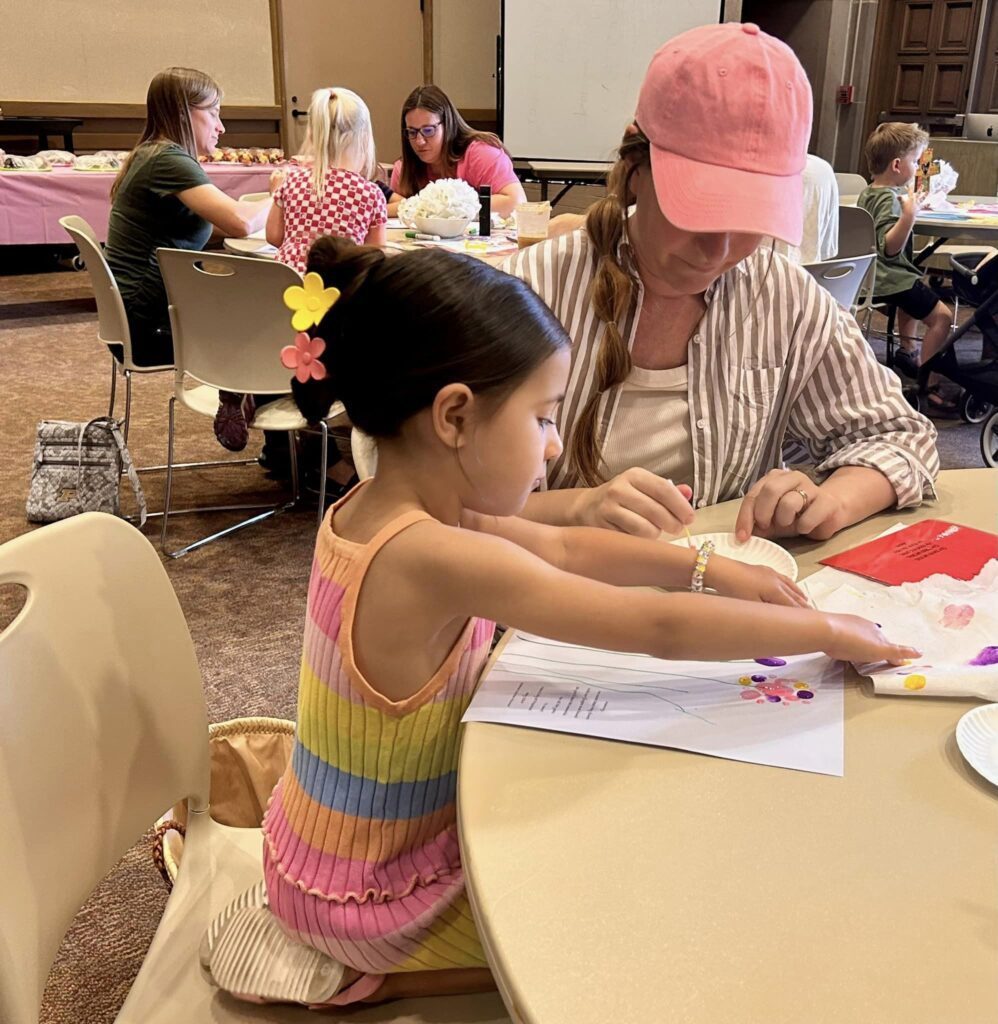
x: 920, y: 550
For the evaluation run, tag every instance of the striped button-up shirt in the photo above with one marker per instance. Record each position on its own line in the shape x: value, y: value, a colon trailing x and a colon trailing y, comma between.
x: 773, y: 361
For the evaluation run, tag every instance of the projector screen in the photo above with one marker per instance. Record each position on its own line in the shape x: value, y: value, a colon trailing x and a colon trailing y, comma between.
x: 571, y: 71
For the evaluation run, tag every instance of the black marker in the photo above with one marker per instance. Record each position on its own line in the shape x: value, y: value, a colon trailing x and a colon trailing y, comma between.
x: 485, y: 211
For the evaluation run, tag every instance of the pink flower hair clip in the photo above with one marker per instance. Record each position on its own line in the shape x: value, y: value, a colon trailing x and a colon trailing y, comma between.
x: 303, y: 357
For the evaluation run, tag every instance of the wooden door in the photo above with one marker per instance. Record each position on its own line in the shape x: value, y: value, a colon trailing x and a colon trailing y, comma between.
x: 986, y: 92
x: 925, y: 51
x: 375, y: 49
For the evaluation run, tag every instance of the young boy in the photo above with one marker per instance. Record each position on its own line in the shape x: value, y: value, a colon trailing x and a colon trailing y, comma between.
x: 892, y: 153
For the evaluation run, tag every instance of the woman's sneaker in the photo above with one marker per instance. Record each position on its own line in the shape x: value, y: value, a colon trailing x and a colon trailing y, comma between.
x: 235, y: 413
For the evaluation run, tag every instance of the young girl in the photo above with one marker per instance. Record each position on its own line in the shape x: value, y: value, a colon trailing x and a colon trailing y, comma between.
x: 438, y: 143
x: 331, y: 193
x: 328, y: 194
x: 411, y: 570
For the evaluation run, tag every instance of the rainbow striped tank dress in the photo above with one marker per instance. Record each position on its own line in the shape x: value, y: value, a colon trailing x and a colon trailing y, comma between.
x: 360, y: 851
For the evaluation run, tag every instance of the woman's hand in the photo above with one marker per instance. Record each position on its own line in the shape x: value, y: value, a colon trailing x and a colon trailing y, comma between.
x: 637, y: 502
x: 787, y: 503
x: 860, y: 641
x: 732, y: 578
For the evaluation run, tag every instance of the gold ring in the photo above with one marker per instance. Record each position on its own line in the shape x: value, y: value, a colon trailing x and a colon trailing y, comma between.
x: 806, y: 497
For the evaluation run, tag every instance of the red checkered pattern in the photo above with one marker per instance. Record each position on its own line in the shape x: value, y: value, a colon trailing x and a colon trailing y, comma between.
x: 349, y: 207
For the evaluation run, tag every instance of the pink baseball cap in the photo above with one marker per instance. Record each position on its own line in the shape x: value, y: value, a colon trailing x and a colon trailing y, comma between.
x: 727, y: 110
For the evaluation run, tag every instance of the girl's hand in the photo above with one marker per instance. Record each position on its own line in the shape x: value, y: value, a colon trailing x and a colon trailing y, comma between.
x: 277, y: 179
x: 732, y: 578
x: 638, y: 502
x: 860, y: 641
x: 787, y: 503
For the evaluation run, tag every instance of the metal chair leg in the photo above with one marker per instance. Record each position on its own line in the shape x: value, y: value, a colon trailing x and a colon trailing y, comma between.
x: 169, y: 476
x: 128, y: 405
x: 114, y: 386
x: 322, y: 469
x: 268, y: 510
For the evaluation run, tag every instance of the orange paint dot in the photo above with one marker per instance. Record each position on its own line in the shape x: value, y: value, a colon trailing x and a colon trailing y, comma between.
x: 744, y: 681
x: 800, y: 686
x: 915, y: 682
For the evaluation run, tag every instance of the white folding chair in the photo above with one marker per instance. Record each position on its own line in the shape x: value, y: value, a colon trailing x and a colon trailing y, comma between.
x: 112, y: 330
x: 842, y: 277
x: 112, y: 327
x: 850, y: 184
x: 229, y: 325
x: 102, y: 727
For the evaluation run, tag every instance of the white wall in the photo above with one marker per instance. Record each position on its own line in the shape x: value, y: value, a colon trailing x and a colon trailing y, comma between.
x: 71, y: 52
x: 464, y: 51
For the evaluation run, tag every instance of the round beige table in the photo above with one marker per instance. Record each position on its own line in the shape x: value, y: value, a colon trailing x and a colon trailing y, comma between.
x: 619, y: 884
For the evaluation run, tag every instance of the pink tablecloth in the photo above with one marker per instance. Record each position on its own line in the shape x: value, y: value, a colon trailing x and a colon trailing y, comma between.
x: 31, y: 204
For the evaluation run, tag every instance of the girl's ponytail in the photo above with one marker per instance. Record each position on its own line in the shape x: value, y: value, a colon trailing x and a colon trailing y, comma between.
x: 613, y: 291
x: 341, y: 264
x: 317, y: 142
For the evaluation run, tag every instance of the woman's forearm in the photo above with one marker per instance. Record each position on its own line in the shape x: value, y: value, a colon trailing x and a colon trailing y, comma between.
x: 860, y: 492
x: 556, y: 508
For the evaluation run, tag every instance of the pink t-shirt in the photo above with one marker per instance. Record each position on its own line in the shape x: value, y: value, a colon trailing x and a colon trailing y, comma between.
x: 349, y: 207
x: 481, y: 164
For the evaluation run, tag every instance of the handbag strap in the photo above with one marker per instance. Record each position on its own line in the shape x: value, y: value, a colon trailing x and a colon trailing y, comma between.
x: 126, y: 461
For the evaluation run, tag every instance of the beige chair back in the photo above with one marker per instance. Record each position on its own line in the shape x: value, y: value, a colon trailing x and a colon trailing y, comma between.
x: 102, y: 726
x: 857, y: 236
x: 112, y: 323
x: 850, y: 184
x: 229, y: 319
x: 842, y: 277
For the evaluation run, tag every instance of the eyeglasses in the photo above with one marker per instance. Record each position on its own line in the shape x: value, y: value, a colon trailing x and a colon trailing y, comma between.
x: 427, y: 131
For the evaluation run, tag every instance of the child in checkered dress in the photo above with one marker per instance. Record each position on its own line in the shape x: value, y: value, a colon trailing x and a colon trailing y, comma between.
x: 330, y: 191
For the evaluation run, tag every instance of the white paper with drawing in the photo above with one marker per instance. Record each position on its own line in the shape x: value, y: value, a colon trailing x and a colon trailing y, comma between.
x: 785, y: 712
x: 954, y: 623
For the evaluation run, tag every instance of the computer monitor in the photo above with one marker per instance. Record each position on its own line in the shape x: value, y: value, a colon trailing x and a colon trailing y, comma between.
x: 981, y: 127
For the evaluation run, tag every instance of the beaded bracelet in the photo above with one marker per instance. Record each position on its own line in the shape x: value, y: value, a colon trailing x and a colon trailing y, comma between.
x: 704, y: 552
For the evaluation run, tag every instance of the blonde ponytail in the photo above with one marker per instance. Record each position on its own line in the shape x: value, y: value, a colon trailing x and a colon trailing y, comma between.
x: 339, y: 131
x: 613, y: 292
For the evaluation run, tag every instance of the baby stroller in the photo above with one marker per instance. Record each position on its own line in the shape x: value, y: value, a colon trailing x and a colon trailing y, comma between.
x: 975, y: 281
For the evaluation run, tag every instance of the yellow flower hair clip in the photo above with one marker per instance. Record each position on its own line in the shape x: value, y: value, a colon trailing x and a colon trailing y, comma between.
x: 311, y: 302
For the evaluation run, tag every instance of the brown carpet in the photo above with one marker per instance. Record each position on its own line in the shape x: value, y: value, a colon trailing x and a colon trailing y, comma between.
x: 244, y: 596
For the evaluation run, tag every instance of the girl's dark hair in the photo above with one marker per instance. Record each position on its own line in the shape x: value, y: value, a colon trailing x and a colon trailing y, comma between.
x: 458, y: 135
x: 407, y: 326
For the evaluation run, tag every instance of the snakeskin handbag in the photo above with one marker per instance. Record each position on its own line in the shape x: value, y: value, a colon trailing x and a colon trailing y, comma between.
x: 77, y: 468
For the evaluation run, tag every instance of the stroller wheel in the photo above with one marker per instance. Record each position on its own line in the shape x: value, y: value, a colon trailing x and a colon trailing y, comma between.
x: 912, y: 396
x: 973, y: 409
x: 989, y: 440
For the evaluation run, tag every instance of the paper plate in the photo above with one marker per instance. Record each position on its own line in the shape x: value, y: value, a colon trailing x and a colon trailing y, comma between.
x: 755, y: 551
x: 977, y: 738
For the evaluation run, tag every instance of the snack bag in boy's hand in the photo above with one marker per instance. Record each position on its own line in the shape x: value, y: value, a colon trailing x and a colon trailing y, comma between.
x: 926, y: 168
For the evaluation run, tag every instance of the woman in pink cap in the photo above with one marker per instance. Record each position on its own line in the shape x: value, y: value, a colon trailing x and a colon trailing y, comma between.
x: 697, y: 355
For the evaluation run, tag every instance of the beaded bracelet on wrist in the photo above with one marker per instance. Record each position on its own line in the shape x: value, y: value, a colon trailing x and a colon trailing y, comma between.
x: 704, y: 552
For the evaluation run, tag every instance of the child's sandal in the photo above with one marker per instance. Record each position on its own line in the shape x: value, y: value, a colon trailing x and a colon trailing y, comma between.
x: 247, y: 954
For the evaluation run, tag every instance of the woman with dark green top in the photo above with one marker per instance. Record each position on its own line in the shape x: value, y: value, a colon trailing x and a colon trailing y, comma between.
x: 162, y: 197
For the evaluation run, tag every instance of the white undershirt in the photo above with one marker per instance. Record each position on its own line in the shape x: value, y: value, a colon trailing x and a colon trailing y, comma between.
x: 651, y: 427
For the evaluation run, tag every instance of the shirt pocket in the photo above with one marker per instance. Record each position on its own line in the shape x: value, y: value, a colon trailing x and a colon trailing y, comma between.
x: 755, y: 390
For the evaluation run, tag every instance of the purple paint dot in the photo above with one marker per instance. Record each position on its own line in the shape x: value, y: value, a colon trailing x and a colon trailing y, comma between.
x: 771, y: 662
x: 758, y: 679
x: 989, y: 656
x: 804, y: 695
x: 773, y: 698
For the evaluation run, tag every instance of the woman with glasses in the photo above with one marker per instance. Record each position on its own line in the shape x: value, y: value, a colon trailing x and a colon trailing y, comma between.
x: 438, y: 143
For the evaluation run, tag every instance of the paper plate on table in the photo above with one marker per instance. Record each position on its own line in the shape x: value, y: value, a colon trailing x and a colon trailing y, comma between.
x: 977, y: 738
x: 755, y: 551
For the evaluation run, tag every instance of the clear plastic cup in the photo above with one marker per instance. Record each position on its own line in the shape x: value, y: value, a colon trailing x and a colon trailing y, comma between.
x: 532, y: 223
